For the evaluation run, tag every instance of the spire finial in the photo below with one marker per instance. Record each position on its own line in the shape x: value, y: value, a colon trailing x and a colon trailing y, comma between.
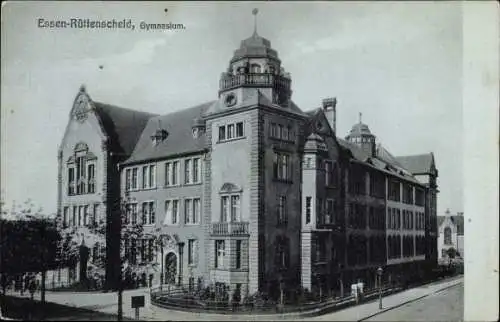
x: 360, y: 116
x: 255, y: 11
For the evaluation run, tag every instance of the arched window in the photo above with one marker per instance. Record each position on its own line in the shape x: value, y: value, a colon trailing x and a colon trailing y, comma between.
x: 81, y: 166
x: 255, y: 68
x: 447, y: 236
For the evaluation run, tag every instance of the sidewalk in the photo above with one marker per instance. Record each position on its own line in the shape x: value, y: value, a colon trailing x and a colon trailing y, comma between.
x: 107, y: 303
x: 365, y: 311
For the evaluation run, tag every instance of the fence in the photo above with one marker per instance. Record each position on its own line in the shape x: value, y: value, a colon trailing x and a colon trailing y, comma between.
x: 205, y: 300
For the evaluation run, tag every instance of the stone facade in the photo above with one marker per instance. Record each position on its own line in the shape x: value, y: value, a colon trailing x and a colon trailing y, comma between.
x: 249, y: 191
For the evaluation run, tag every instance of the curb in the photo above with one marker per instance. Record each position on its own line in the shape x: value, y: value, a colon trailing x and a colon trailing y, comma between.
x: 407, y: 302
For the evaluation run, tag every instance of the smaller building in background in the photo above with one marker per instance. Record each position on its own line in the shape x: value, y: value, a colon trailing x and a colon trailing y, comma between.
x: 451, y: 235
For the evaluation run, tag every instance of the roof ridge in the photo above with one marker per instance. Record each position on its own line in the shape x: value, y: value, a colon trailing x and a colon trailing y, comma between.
x: 122, y: 108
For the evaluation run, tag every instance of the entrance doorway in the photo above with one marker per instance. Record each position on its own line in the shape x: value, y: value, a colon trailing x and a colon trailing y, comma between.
x: 170, y: 268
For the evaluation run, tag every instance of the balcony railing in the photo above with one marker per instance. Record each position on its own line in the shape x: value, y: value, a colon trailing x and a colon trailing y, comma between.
x: 271, y: 80
x: 229, y: 228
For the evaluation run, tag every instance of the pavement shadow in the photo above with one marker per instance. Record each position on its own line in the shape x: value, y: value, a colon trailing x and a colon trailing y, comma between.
x: 33, y: 310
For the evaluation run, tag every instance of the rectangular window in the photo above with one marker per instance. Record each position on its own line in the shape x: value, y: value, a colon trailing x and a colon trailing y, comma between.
x: 224, y: 208
x: 220, y: 253
x: 281, y: 210
x: 152, y: 176
x: 75, y: 216
x: 133, y: 213
x: 280, y: 131
x: 230, y: 131
x: 80, y: 215
x: 65, y: 217
x: 135, y: 181
x: 187, y: 211
x: 168, y: 174
x: 191, y: 251
x: 71, y: 181
x: 86, y: 215
x: 196, y: 210
x: 235, y: 208
x: 175, y: 173
x: 281, y: 167
x: 285, y: 135
x: 274, y: 130
x: 239, y: 130
x: 329, y: 218
x: 91, y: 178
x: 328, y: 173
x: 145, y: 177
x: 238, y: 254
x: 80, y: 175
x: 143, y: 250
x: 128, y: 179
x: 196, y: 170
x: 308, y: 210
x: 187, y: 171
x: 96, y: 218
x: 290, y: 133
x: 222, y: 133
x: 148, y: 213
x: 150, y: 250
x: 152, y: 215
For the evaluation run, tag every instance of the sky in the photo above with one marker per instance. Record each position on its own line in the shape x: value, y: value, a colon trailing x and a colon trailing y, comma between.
x: 397, y: 63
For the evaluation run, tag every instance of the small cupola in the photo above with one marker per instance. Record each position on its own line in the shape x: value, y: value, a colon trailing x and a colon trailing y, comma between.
x: 361, y: 136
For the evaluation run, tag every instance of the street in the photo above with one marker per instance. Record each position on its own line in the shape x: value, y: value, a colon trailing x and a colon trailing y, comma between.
x: 438, y: 301
x: 445, y: 305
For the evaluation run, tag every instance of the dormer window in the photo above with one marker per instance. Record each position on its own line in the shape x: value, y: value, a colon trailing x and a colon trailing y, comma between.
x: 159, y: 136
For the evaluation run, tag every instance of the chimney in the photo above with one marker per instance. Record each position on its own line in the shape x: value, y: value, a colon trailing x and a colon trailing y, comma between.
x: 330, y: 110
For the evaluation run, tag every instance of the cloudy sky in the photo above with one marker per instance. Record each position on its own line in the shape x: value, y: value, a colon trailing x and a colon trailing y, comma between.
x: 400, y: 64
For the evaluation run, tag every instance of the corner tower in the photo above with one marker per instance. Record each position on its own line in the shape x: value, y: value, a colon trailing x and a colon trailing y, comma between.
x: 255, y: 65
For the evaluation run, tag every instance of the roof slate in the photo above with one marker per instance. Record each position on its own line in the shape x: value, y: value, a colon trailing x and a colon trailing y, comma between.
x: 179, y: 140
x: 123, y: 126
x: 417, y: 164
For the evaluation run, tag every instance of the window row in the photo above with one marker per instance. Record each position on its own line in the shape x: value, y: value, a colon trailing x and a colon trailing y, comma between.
x: 357, y: 183
x: 408, y: 246
x: 393, y: 218
x: 139, y: 251
x: 420, y: 221
x: 330, y: 173
x: 407, y: 194
x: 394, y: 247
x: 191, y: 211
x: 319, y: 254
x: 81, y: 177
x: 328, y: 212
x: 376, y: 218
x: 225, y: 248
x: 282, y: 166
x: 407, y: 219
x: 231, y: 131
x: 357, y: 216
x: 377, y: 249
x: 357, y: 250
x: 192, y: 174
x: 419, y: 245
x: 81, y: 215
x: 377, y: 185
x: 281, y: 132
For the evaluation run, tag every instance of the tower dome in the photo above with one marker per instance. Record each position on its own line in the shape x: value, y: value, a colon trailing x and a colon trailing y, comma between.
x: 361, y: 136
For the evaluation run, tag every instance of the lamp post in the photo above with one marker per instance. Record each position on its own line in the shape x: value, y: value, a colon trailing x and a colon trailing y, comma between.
x: 379, y: 275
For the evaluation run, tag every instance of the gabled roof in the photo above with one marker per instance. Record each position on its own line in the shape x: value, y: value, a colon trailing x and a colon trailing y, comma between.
x: 179, y: 139
x: 459, y: 222
x: 417, y: 164
x: 123, y: 126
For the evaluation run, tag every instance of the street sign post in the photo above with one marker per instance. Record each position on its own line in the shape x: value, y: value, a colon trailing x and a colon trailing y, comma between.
x: 137, y: 302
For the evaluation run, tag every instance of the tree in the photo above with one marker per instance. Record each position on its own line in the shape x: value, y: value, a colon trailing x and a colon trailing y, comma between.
x: 28, y: 245
x: 451, y: 252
